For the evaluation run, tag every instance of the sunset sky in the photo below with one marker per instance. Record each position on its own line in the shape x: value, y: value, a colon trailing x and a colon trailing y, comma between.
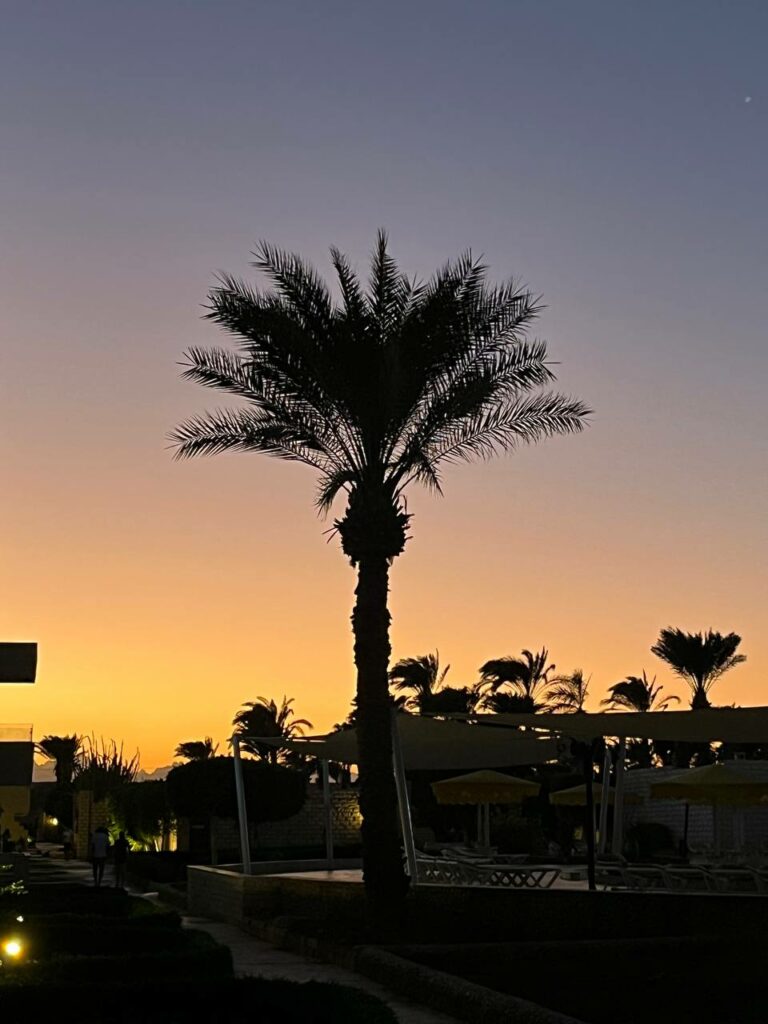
x: 612, y: 154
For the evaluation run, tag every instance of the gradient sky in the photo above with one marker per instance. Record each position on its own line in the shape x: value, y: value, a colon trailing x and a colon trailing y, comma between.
x: 605, y: 152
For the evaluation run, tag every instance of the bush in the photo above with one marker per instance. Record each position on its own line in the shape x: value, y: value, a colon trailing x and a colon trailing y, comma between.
x: 207, y: 789
x: 203, y: 958
x: 242, y: 1001
x: 165, y: 867
x: 91, y: 937
x: 649, y: 839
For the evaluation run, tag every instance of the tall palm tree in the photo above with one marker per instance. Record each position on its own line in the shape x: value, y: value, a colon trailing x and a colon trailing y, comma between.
x: 527, y: 677
x: 264, y: 717
x: 638, y: 693
x: 65, y: 752
x: 698, y: 658
x: 374, y: 392
x: 568, y: 694
x: 197, y: 750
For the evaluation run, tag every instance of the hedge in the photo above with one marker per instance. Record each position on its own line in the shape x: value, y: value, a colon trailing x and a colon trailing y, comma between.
x: 241, y: 1001
x: 89, y: 937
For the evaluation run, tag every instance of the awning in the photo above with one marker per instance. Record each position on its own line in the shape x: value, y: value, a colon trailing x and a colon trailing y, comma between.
x: 732, y: 725
x: 430, y: 743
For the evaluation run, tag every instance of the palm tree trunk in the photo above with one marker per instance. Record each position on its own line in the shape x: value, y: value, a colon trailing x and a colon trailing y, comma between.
x: 385, y: 880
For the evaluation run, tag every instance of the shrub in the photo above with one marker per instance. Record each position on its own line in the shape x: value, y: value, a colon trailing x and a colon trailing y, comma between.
x: 207, y: 789
x: 241, y: 1001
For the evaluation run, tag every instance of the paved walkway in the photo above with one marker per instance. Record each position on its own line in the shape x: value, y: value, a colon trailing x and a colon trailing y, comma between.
x: 251, y: 956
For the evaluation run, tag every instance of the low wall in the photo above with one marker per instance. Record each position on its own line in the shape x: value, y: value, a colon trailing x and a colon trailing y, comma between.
x: 446, y: 913
x: 225, y: 894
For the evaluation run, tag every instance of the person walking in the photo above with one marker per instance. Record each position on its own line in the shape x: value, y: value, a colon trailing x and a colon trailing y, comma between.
x: 99, y: 851
x: 120, y: 857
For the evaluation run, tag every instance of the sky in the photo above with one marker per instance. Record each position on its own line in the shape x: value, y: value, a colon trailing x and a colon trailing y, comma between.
x: 611, y: 154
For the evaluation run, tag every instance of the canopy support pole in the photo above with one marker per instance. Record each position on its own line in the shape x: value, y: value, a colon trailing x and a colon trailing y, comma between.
x: 606, y: 783
x: 242, y: 813
x: 327, y: 812
x: 403, y: 802
x: 589, y: 824
x: 618, y: 800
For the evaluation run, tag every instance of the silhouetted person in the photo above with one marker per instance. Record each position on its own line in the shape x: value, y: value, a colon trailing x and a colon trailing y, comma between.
x: 67, y: 840
x: 99, y: 851
x: 120, y: 855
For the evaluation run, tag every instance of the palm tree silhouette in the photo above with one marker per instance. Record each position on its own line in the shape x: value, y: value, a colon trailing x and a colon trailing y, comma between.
x: 197, y: 750
x: 65, y: 752
x: 264, y: 717
x: 568, y: 694
x: 526, y: 679
x: 698, y: 658
x: 375, y: 392
x: 638, y: 693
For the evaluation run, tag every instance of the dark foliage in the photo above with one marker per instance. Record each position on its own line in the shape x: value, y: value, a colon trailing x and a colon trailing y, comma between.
x: 203, y: 789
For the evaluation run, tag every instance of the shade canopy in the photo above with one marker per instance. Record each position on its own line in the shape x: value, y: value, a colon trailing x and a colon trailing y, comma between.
x: 484, y: 787
x: 714, y: 784
x: 576, y: 796
x: 731, y: 725
x: 430, y: 743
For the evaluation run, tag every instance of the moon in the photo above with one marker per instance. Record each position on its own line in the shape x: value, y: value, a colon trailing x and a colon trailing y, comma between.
x: 747, y: 99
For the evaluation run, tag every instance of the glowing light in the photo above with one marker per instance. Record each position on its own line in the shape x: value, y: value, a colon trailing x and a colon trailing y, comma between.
x: 20, y: 918
x: 13, y: 948
x: 54, y: 821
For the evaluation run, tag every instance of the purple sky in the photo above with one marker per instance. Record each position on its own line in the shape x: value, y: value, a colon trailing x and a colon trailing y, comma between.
x: 605, y: 152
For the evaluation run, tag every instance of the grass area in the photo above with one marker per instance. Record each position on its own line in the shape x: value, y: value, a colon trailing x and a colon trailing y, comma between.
x: 119, y: 959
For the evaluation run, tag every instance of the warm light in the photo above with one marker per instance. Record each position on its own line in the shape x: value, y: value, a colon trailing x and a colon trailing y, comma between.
x: 12, y: 948
x: 19, y: 918
x: 54, y: 821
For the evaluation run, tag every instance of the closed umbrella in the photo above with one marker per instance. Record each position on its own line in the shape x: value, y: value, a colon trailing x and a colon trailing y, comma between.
x: 482, y: 789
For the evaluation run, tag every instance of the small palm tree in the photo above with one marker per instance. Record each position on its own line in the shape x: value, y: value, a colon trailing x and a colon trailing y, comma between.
x: 698, y: 658
x: 527, y: 677
x: 568, y: 694
x: 264, y: 717
x: 422, y: 676
x: 65, y: 752
x: 375, y: 392
x: 638, y: 693
x: 197, y: 750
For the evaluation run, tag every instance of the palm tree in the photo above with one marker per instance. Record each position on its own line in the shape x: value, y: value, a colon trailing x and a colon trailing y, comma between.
x: 638, y: 693
x: 568, y: 694
x: 377, y: 391
x: 197, y: 750
x: 528, y: 677
x: 65, y: 752
x: 422, y: 675
x: 264, y: 717
x: 698, y: 658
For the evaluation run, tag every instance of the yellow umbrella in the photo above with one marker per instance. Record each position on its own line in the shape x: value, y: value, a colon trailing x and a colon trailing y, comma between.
x: 576, y: 796
x: 718, y: 785
x: 484, y: 788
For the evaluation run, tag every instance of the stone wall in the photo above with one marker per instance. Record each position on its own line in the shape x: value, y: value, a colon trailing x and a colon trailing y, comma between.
x: 307, y: 828
x: 90, y: 814
x: 738, y: 828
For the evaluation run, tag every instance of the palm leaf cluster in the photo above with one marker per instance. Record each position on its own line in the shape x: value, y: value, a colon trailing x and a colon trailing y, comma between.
x: 384, y: 386
x: 698, y: 658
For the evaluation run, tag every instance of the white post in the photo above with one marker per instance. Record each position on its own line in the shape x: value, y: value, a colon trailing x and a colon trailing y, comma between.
x: 327, y: 812
x: 604, y: 801
x: 403, y: 802
x: 618, y: 800
x: 242, y: 813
